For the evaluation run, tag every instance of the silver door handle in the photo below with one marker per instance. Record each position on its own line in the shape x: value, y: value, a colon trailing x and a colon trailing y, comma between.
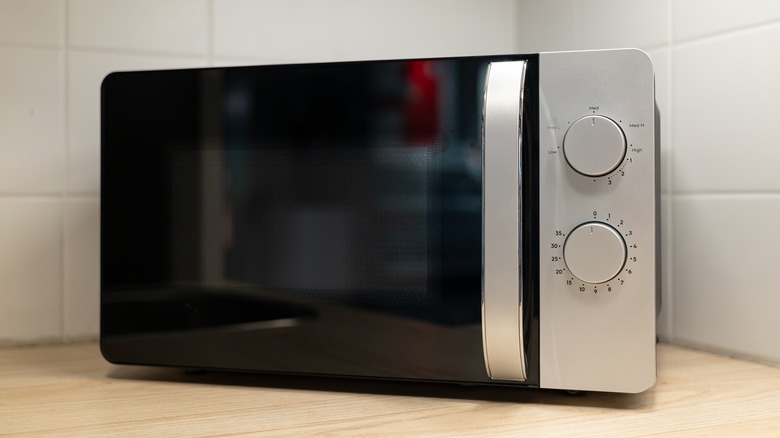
x: 502, y: 304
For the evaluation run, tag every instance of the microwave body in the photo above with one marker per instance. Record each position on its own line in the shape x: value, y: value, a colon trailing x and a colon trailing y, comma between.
x: 478, y: 220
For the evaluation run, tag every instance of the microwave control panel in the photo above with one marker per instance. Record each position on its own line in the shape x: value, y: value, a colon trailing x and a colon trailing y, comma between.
x: 598, y: 215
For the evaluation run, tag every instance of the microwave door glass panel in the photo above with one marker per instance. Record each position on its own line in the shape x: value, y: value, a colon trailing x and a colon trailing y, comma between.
x: 329, y: 211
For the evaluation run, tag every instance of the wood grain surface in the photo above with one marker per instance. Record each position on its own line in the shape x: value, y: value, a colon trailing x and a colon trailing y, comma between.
x: 70, y: 390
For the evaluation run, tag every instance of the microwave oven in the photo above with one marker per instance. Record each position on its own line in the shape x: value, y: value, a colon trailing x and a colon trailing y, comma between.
x: 479, y: 220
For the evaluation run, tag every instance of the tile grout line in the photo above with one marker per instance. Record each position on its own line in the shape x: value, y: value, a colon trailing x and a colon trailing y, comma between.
x: 136, y: 52
x: 654, y: 47
x: 210, y: 26
x: 37, y: 46
x: 51, y: 196
x: 669, y: 265
x: 66, y: 180
x: 726, y: 33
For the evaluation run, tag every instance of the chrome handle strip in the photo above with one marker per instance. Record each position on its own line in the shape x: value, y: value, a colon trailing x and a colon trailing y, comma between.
x: 502, y: 310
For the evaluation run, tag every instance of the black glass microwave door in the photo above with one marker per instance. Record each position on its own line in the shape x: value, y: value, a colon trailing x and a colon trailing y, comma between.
x: 310, y: 219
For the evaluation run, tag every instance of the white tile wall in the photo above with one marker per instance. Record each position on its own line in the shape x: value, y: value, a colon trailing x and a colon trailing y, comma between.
x: 32, y: 98
x: 473, y: 27
x: 716, y: 73
x: 726, y: 181
x: 725, y: 282
x: 81, y: 267
x: 272, y: 31
x: 30, y: 269
x: 620, y: 23
x: 546, y: 26
x: 726, y: 91
x: 32, y: 22
x: 53, y: 56
x: 425, y: 28
x: 594, y: 24
x: 697, y: 18
x: 170, y: 26
x: 275, y: 32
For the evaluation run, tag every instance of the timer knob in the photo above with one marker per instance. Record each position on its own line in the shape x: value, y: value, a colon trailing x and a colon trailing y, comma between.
x: 594, y: 145
x: 594, y: 252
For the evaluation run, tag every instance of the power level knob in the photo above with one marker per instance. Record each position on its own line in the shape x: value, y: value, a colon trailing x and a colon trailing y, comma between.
x: 594, y: 252
x: 594, y: 145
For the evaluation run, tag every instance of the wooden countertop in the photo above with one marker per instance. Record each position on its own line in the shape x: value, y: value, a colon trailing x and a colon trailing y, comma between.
x: 69, y: 390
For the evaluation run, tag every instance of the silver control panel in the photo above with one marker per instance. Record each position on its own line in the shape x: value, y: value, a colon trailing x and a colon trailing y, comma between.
x: 598, y: 220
